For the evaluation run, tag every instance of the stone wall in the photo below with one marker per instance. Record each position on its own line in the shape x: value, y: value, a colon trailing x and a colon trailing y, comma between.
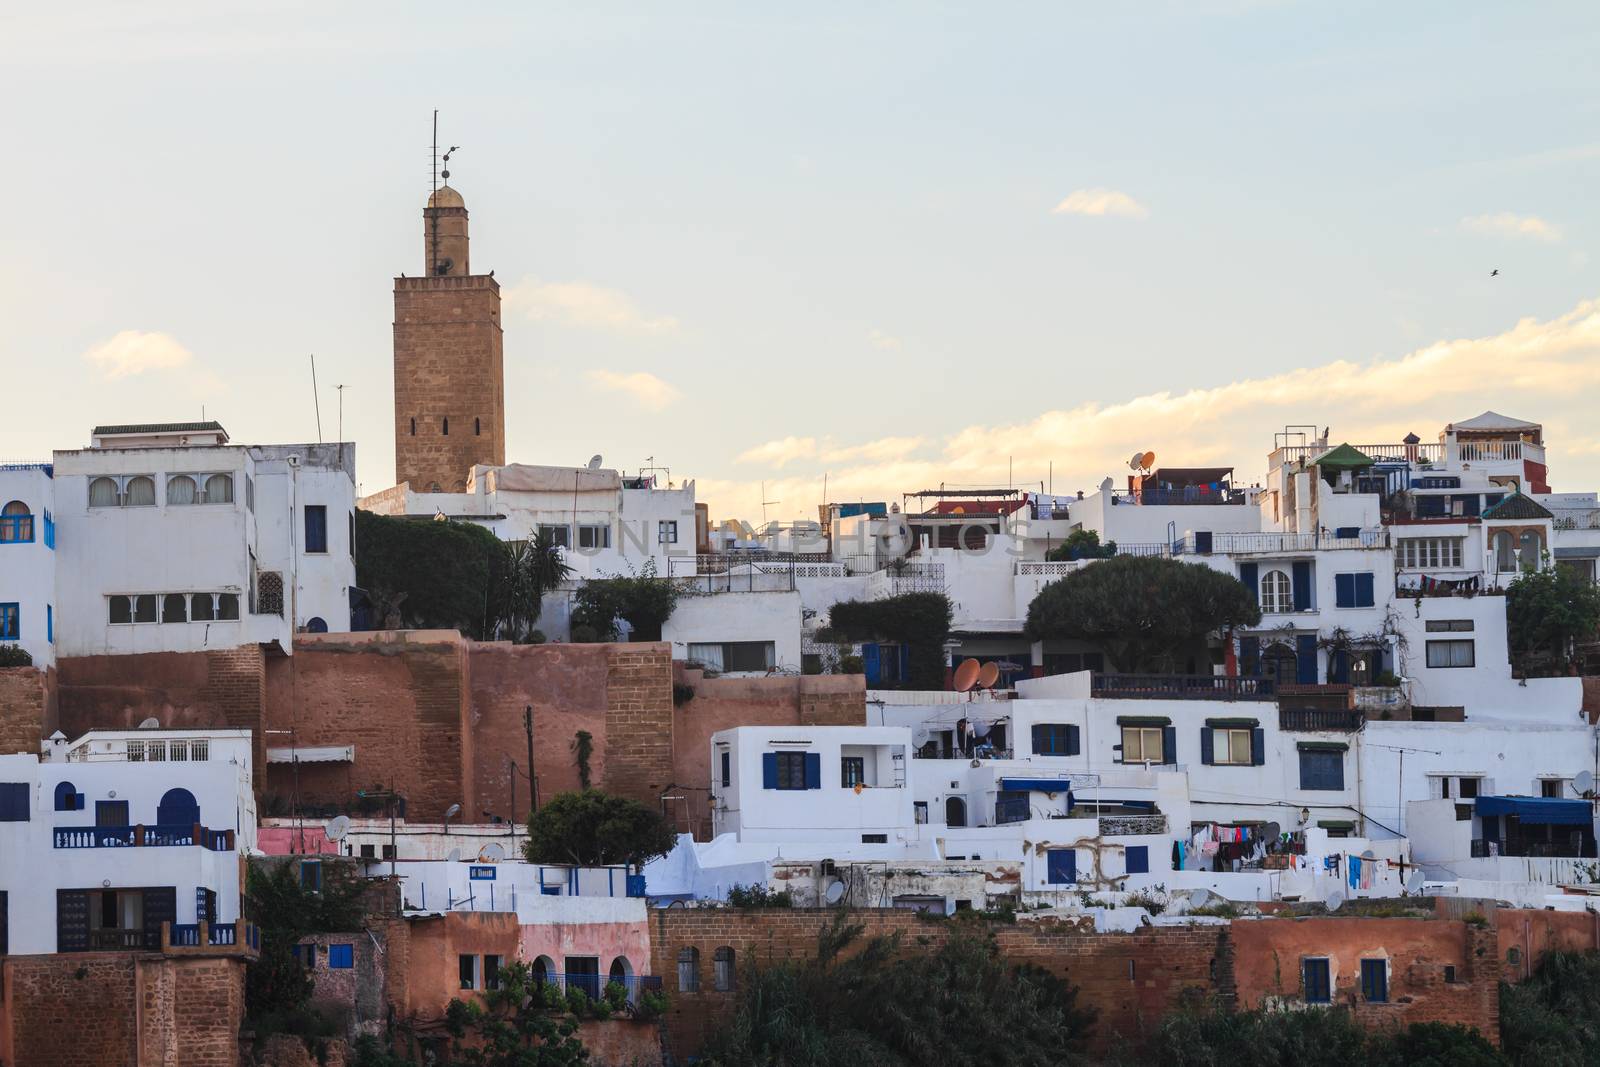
x: 98, y: 1009
x: 639, y: 712
x: 28, y: 711
x: 1129, y: 980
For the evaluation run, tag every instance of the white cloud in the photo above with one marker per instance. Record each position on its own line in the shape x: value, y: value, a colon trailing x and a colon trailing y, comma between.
x: 584, y: 306
x: 1100, y: 202
x: 780, y: 452
x: 134, y: 352
x: 1506, y: 224
x: 887, y: 342
x: 646, y: 390
x: 1548, y: 371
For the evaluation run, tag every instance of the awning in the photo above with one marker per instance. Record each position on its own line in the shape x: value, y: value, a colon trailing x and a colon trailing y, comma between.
x: 313, y: 754
x: 1546, y: 810
x: 1035, y: 785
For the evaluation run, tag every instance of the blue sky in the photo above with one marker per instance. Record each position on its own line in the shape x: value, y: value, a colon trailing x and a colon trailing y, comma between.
x: 768, y: 242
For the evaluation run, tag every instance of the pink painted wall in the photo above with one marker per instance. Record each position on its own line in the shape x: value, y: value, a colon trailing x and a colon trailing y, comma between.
x: 605, y: 940
x: 292, y: 841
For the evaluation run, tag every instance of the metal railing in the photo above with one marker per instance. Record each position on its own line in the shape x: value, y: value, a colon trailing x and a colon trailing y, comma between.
x: 1397, y: 453
x: 118, y: 940
x: 139, y: 836
x: 1187, y: 496
x: 1576, y: 518
x: 1179, y: 687
x: 1313, y: 720
x: 1246, y: 543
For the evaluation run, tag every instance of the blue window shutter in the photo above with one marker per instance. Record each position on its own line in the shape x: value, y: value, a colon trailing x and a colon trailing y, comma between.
x: 769, y: 770
x: 14, y: 802
x: 1040, y: 740
x: 1250, y: 656
x: 1305, y: 654
x: 1074, y: 745
x: 50, y: 623
x: 1339, y: 667
x: 870, y: 665
x: 905, y: 662
x: 1206, y: 743
x: 1347, y: 532
x: 813, y: 770
x: 1365, y: 597
x: 1302, y: 586
x: 1344, y: 590
x: 1249, y: 575
x: 1061, y: 866
x: 1138, y: 859
x: 1258, y: 746
x: 1169, y: 744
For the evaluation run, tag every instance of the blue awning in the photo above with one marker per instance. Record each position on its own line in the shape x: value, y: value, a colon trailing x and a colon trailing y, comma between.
x: 1546, y: 810
x: 1036, y: 785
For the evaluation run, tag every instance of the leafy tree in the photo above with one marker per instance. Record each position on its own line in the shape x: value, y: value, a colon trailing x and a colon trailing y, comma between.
x: 15, y: 656
x: 513, y: 1026
x: 590, y: 828
x: 1323, y: 1038
x: 961, y: 1005
x: 582, y: 749
x: 1548, y: 610
x: 1142, y: 610
x: 920, y: 621
x: 1082, y: 544
x: 284, y: 911
x: 1553, y: 1019
x: 531, y: 568
x: 645, y: 601
x: 433, y: 575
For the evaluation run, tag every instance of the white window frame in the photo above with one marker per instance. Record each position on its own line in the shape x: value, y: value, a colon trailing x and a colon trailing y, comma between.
x: 1277, y: 597
x: 560, y: 533
x: 157, y: 489
x: 1139, y: 732
x: 1429, y: 553
x: 591, y: 529
x: 667, y: 532
x: 1449, y: 651
x: 1222, y: 738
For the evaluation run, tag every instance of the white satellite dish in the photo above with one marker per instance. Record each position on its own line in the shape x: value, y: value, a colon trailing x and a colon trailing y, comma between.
x: 337, y: 827
x: 1414, y: 883
x: 834, y: 893
x: 454, y: 857
x: 1583, y: 782
x: 1137, y: 461
x: 151, y: 723
x: 1335, y: 899
x: 1200, y: 898
x: 595, y: 461
x: 493, y: 852
x: 920, y: 736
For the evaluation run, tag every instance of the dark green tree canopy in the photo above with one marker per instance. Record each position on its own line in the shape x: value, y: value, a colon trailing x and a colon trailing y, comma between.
x: 531, y: 569
x: 1082, y: 544
x: 433, y: 575
x: 591, y: 828
x: 1142, y: 610
x: 1546, y: 612
x: 920, y: 621
x: 645, y: 601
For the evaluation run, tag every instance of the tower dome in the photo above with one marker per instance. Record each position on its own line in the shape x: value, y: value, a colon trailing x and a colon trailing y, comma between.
x: 445, y: 196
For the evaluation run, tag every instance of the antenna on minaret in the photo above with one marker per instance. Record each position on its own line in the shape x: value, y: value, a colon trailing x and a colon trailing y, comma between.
x: 439, y: 171
x: 765, y: 502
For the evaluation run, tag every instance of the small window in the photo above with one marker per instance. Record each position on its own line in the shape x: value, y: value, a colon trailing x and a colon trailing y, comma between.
x: 791, y: 770
x: 1138, y: 857
x: 445, y: 425
x: 103, y: 493
x: 1141, y: 744
x: 144, y: 607
x: 874, y: 839
x: 140, y: 492
x: 689, y: 970
x: 219, y: 489
x: 852, y: 771
x: 68, y: 798
x: 413, y: 427
x: 1375, y: 981
x: 1315, y: 980
x: 1055, y: 739
x: 202, y: 607
x: 491, y: 972
x: 722, y: 970
x: 10, y: 622
x: 1353, y: 590
x: 174, y: 608
x: 16, y: 523
x: 1061, y: 866
x: 369, y: 852
x: 1450, y: 654
x: 1553, y: 787
x: 341, y: 957
x: 919, y: 812
x: 227, y: 606
x: 560, y: 536
x: 594, y: 536
x: 311, y: 875
x: 1321, y: 769
x: 1231, y: 747
x: 181, y: 489
x: 316, y: 625
x: 727, y: 769
x: 316, y: 528
x: 667, y: 532
x: 467, y: 968
x: 1449, y: 626
x: 1277, y: 595
x: 1449, y: 974
x: 477, y: 427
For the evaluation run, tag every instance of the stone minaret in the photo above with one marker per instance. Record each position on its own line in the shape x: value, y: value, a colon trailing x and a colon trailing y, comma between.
x: 449, y: 379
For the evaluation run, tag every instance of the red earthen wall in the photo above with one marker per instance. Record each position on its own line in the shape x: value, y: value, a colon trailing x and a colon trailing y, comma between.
x: 1523, y: 936
x: 28, y: 710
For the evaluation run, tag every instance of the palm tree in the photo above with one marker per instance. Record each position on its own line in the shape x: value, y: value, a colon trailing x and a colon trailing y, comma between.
x: 533, y: 568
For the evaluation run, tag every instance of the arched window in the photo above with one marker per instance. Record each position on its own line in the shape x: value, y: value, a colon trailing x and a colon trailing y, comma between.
x: 174, y: 608
x: 1505, y: 551
x: 121, y: 609
x: 477, y: 427
x: 446, y: 425
x: 140, y: 492
x: 219, y: 489
x: 1531, y: 547
x: 955, y: 811
x: 181, y: 489
x: 202, y: 608
x: 689, y: 970
x: 68, y: 798
x: 1278, y: 662
x: 543, y: 968
x: 227, y: 606
x: 1277, y: 594
x: 722, y: 976
x: 621, y: 973
x: 413, y: 427
x: 16, y: 523
x: 315, y: 625
x: 103, y: 493
x: 178, y: 807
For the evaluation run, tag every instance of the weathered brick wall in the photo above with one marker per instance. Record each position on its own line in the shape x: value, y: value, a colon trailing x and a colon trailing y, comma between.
x: 28, y: 711
x: 1591, y: 699
x: 1523, y: 937
x: 639, y: 715
x: 833, y: 700
x: 99, y: 1009
x: 448, y: 362
x: 400, y: 698
x: 1129, y: 980
x: 1268, y: 955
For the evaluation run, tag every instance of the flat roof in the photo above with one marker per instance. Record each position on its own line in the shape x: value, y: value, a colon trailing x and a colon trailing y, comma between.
x: 158, y: 427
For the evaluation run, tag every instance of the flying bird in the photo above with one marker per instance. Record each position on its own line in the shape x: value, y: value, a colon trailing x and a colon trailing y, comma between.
x: 1495, y: 273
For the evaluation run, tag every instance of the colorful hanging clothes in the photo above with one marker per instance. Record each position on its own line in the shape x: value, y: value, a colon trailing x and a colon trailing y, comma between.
x: 1355, y: 872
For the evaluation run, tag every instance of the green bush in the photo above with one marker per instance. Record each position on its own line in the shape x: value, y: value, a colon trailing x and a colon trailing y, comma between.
x: 757, y: 895
x: 15, y: 656
x: 920, y: 621
x: 1553, y: 1019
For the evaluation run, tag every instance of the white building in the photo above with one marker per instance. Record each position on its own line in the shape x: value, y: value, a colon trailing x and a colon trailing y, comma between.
x: 28, y: 560
x: 170, y: 539
x: 110, y: 837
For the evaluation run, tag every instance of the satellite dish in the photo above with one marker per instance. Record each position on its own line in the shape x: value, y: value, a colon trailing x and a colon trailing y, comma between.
x: 834, y: 893
x: 920, y: 736
x: 493, y: 852
x: 1137, y: 461
x: 895, y: 538
x: 1583, y: 782
x: 1369, y: 855
x: 1200, y: 898
x: 444, y: 265
x: 151, y: 723
x: 595, y: 461
x: 988, y: 675
x: 454, y: 857
x: 1414, y: 883
x: 452, y: 811
x: 980, y: 729
x: 337, y: 827
x: 1335, y: 899
x: 1273, y: 830
x: 967, y: 675
x: 1148, y: 461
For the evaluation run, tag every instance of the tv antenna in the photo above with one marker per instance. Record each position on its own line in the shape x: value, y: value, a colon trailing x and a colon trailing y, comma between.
x: 438, y: 172
x: 765, y: 502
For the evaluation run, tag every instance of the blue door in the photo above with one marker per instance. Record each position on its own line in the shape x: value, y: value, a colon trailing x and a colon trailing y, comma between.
x: 178, y: 807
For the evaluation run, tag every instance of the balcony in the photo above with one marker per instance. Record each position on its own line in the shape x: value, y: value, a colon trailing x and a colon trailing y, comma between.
x: 1242, y: 544
x: 1398, y: 453
x: 210, y: 935
x: 119, y: 940
x: 1132, y: 825
x: 143, y: 837
x: 1319, y: 720
x: 1179, y: 687
x: 1186, y: 497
